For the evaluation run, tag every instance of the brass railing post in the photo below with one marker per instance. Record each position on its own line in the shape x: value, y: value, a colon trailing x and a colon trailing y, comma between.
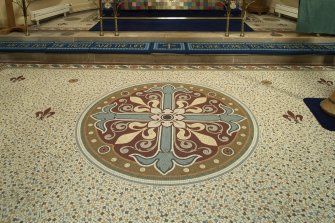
x: 100, y: 18
x: 116, y: 33
x: 228, y: 18
x: 25, y: 15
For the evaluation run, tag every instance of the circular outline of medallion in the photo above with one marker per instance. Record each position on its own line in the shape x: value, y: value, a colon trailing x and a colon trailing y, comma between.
x: 127, y: 134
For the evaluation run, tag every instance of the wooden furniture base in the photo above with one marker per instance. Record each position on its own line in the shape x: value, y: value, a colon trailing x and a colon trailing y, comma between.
x: 7, y: 30
x: 328, y: 105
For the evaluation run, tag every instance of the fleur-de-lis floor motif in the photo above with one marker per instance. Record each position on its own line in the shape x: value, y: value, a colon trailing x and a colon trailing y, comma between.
x: 44, y: 114
x: 266, y: 82
x: 19, y: 78
x: 71, y: 81
x: 323, y: 81
x: 292, y: 117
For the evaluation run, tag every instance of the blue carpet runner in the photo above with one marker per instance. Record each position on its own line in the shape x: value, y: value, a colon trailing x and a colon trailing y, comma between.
x: 325, y: 120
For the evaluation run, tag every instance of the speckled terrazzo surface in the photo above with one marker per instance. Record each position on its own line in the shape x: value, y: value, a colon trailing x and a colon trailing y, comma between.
x: 45, y: 178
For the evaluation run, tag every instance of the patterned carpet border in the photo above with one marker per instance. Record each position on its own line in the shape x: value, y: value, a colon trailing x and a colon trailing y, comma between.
x: 169, y: 67
x: 173, y: 47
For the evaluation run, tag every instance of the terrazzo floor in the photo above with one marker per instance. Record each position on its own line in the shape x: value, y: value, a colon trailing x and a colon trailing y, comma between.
x: 289, y: 177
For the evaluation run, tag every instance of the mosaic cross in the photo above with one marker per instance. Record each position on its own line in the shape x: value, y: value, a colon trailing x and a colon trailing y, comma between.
x: 167, y: 118
x: 169, y: 45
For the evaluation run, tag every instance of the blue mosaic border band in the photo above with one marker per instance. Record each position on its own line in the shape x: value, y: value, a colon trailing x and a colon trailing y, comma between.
x: 24, y: 47
x: 75, y: 47
x: 218, y: 48
x: 280, y: 48
x: 175, y: 47
x: 323, y: 48
x: 120, y: 47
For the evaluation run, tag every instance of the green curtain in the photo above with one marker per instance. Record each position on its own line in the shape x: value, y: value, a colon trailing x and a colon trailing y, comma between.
x: 316, y: 16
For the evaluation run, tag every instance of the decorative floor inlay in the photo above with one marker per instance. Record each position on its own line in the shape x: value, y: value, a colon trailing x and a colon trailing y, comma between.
x: 167, y: 133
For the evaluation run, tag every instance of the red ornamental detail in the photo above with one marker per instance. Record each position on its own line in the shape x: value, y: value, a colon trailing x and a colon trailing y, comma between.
x: 227, y: 151
x: 104, y: 149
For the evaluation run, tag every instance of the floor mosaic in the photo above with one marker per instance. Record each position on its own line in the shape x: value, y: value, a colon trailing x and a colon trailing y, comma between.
x: 167, y: 133
x: 45, y: 177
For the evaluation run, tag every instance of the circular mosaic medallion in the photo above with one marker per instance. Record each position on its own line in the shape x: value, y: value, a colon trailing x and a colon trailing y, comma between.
x: 167, y: 133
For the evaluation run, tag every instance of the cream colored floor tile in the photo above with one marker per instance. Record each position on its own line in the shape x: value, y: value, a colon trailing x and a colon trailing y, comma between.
x: 45, y: 178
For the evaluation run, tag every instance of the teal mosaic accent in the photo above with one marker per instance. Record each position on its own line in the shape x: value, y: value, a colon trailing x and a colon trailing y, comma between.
x: 224, y: 48
x: 19, y: 46
x: 166, y: 47
x: 120, y: 47
x: 69, y: 47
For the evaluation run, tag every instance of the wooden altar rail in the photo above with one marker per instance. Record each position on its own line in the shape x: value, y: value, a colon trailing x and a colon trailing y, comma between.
x: 245, y: 5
